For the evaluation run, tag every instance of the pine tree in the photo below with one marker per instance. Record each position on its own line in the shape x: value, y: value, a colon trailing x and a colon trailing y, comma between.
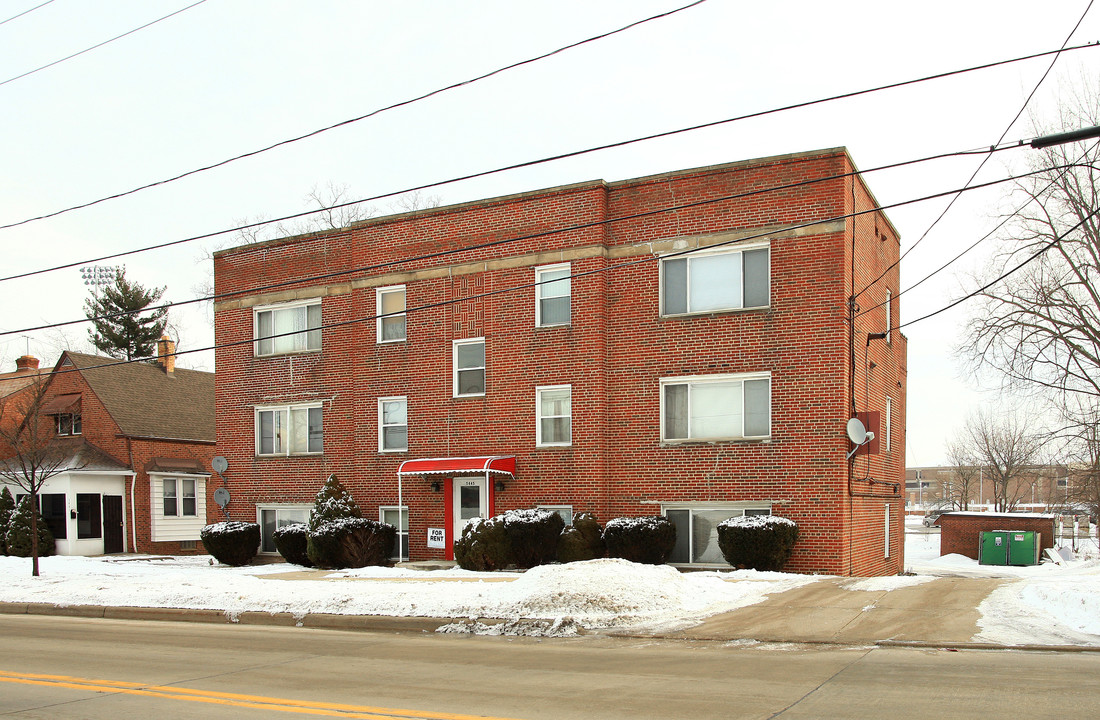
x: 119, y: 327
x: 7, y: 506
x: 332, y: 503
x: 19, y: 531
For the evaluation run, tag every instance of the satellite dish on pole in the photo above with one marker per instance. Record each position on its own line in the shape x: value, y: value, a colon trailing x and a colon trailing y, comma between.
x: 859, y: 435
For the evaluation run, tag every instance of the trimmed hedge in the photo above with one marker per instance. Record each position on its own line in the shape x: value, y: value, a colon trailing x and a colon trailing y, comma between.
x: 648, y: 540
x: 484, y: 545
x: 18, y: 535
x: 231, y: 542
x: 583, y: 540
x: 351, y: 543
x: 758, y: 542
x: 290, y: 541
x: 533, y: 536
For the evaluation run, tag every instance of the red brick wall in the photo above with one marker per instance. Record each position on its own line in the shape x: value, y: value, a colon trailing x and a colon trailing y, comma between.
x: 613, y: 354
x: 960, y: 533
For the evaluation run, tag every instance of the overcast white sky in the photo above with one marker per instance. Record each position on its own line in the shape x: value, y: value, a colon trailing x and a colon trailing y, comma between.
x: 230, y: 76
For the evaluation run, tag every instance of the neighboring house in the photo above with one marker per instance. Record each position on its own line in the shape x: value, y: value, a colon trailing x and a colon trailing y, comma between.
x: 138, y: 439
x: 671, y: 345
x: 12, y: 384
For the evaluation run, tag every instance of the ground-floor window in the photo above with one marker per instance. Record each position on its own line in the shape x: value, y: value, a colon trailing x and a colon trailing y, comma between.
x: 399, y: 518
x: 51, y: 508
x: 89, y: 523
x: 697, y: 529
x: 566, y: 512
x: 273, y: 518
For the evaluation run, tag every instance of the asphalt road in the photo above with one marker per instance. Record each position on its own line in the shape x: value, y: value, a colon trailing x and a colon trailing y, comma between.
x: 56, y: 667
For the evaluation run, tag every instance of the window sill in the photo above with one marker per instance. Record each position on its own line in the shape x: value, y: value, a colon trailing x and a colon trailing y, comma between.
x: 555, y: 325
x: 400, y: 341
x: 289, y: 455
x: 257, y: 355
x: 551, y: 446
x: 712, y: 313
x: 402, y: 451
x: 717, y: 441
x: 467, y: 397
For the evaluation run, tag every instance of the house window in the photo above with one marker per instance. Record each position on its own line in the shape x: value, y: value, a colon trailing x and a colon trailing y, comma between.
x: 390, y: 309
x: 179, y: 498
x: 708, y: 282
x: 399, y: 518
x: 68, y: 424
x: 566, y: 511
x: 54, y: 514
x: 554, y: 410
x: 889, y: 413
x: 288, y: 329
x: 289, y: 430
x: 697, y: 530
x: 88, y: 521
x: 469, y: 367
x: 713, y: 407
x: 393, y: 424
x: 552, y: 294
x: 274, y: 517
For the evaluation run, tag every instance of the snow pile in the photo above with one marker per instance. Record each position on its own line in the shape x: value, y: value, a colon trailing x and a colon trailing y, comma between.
x: 1061, y: 609
x: 757, y: 521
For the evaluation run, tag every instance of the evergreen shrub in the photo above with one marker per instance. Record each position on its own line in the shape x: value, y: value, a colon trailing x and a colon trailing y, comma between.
x: 7, y: 506
x: 231, y: 542
x: 18, y: 535
x: 533, y: 536
x: 484, y: 545
x: 290, y: 540
x: 758, y: 542
x: 351, y: 542
x: 332, y: 502
x: 646, y: 540
x: 583, y: 540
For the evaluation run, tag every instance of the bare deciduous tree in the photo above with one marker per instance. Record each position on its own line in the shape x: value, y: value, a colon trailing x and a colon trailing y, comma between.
x: 1008, y: 453
x: 966, y: 474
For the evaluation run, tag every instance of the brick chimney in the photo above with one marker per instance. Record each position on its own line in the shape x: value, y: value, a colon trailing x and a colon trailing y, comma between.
x: 26, y: 365
x: 166, y: 354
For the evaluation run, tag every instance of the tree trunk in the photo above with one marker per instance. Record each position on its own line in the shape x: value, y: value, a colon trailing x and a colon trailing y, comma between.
x: 34, y: 534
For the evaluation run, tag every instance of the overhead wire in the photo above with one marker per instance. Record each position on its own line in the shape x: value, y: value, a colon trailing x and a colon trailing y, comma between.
x: 99, y: 45
x: 981, y: 165
x: 13, y: 17
x: 513, y: 239
x: 485, y: 173
x: 314, y: 133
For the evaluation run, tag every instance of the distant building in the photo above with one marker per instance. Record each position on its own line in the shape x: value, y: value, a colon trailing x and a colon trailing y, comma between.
x: 1040, y: 488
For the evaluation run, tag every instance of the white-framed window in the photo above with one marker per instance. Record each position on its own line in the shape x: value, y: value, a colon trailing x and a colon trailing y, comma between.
x: 469, y: 367
x: 716, y: 407
x: 399, y: 518
x: 887, y: 423
x: 288, y: 328
x: 552, y: 295
x: 179, y: 497
x: 274, y: 516
x: 390, y: 309
x: 697, y: 528
x: 393, y: 424
x: 290, y: 430
x: 68, y: 424
x: 713, y: 281
x: 554, y: 413
x: 566, y: 511
x: 889, y: 314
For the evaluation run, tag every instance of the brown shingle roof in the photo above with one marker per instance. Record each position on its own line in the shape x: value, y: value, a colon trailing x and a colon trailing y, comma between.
x: 147, y: 402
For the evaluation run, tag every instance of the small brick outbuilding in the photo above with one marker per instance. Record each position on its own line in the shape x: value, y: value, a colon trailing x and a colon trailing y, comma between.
x: 961, y: 531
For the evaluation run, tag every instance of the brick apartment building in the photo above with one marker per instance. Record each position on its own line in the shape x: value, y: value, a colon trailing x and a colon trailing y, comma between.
x: 680, y: 345
x: 136, y: 442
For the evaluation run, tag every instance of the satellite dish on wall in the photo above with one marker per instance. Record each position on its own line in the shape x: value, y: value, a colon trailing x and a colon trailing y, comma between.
x: 219, y: 463
x: 221, y: 497
x: 859, y: 435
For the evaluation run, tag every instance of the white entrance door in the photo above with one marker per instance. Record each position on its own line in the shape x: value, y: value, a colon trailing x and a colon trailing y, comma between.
x: 471, y: 500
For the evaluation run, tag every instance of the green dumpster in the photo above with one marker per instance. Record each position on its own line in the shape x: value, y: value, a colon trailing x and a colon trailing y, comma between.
x: 993, y: 547
x: 1023, y: 548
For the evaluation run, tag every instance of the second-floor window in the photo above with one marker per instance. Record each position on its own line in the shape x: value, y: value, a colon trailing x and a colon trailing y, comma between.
x: 289, y: 430
x: 714, y: 281
x: 393, y: 424
x: 68, y: 424
x: 288, y: 329
x: 390, y: 309
x: 554, y: 405
x: 469, y: 367
x: 552, y: 295
x: 716, y: 407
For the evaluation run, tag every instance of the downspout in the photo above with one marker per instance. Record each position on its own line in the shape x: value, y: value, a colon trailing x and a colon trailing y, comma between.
x: 133, y: 485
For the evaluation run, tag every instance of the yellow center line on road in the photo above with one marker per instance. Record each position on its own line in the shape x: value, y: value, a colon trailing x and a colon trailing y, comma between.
x: 257, y: 702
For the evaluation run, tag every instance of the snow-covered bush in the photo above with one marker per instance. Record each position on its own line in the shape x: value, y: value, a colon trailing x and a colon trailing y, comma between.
x: 640, y: 539
x: 533, y: 536
x: 7, y: 506
x: 231, y: 542
x: 583, y: 540
x: 333, y: 502
x: 351, y: 543
x: 290, y: 541
x: 758, y: 542
x: 484, y: 545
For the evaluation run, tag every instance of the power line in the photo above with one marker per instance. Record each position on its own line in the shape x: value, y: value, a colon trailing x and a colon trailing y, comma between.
x: 485, y: 173
x: 13, y: 17
x: 370, y: 114
x: 986, y: 158
x: 93, y: 47
x: 609, y: 268
x: 531, y: 236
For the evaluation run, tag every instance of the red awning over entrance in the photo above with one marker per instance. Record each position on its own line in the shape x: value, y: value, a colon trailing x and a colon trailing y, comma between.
x: 502, y: 464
